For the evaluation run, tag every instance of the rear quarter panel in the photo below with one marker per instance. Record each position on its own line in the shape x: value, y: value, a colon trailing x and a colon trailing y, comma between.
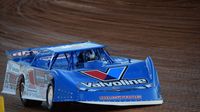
x: 11, y: 77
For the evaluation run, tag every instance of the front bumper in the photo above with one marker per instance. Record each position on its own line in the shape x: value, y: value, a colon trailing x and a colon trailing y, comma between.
x: 149, y: 96
x: 129, y: 103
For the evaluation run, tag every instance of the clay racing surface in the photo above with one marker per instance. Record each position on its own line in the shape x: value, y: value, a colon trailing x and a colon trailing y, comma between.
x: 169, y: 31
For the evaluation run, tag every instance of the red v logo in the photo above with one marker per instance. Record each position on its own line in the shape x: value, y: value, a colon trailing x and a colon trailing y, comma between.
x: 112, y: 73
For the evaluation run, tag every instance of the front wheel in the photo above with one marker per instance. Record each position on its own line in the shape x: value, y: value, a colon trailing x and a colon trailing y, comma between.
x: 26, y: 102
x: 49, y: 97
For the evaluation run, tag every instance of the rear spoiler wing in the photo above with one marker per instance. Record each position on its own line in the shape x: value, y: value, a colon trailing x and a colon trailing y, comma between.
x: 18, y: 53
x: 22, y: 52
x: 25, y: 52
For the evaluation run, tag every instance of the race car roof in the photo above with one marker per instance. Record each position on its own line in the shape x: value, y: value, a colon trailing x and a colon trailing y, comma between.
x: 75, y: 47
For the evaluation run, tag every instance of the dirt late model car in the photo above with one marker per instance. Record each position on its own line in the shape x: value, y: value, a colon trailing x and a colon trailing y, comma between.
x: 80, y: 72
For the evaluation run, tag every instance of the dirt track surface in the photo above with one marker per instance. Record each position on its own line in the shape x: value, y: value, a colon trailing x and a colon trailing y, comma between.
x: 169, y: 31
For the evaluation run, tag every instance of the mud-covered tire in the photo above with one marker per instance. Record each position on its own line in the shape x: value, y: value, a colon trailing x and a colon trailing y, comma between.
x: 52, y: 106
x: 26, y: 102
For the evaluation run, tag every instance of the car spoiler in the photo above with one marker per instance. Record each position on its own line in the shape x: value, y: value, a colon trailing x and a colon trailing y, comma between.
x: 18, y: 53
x: 24, y: 52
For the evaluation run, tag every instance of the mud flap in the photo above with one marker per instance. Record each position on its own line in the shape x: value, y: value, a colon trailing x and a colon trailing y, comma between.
x: 11, y: 78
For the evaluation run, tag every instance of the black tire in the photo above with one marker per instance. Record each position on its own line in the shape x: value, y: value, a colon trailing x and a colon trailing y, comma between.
x: 26, y: 102
x: 52, y: 106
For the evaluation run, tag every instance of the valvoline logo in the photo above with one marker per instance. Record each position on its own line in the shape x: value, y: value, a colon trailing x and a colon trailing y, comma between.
x: 111, y: 74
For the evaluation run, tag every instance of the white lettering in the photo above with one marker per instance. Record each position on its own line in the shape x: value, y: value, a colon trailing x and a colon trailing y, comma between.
x: 87, y: 84
x: 115, y: 83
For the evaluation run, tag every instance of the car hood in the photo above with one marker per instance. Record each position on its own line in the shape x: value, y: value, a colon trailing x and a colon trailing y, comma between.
x: 113, y: 77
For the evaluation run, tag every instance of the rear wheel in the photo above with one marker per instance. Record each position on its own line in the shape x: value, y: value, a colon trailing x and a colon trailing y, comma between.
x: 26, y: 102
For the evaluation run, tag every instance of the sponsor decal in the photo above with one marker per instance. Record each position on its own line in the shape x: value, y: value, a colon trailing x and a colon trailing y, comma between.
x: 41, y: 78
x: 111, y: 74
x: 12, y: 78
x: 135, y: 97
x: 13, y: 68
x: 31, y: 77
x: 111, y: 78
x: 123, y: 82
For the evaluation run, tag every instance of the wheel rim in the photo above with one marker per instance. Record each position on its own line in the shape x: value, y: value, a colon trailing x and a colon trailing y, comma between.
x: 50, y: 95
x: 21, y: 90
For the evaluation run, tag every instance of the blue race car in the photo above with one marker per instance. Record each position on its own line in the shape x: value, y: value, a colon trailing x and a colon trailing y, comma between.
x: 80, y: 72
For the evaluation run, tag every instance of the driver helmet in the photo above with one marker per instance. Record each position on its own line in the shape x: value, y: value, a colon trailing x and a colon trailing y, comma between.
x: 92, y: 55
